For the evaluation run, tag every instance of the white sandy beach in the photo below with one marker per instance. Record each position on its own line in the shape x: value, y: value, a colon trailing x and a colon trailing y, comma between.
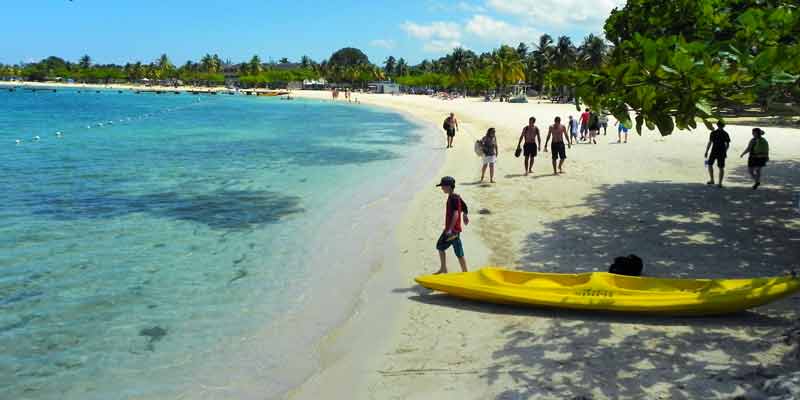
x: 646, y: 197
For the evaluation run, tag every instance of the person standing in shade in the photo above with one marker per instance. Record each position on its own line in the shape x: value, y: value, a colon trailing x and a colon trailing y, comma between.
x: 533, y: 142
x: 572, y: 125
x: 450, y: 126
x: 758, y: 148
x: 718, y: 142
x: 559, y: 134
x: 584, y: 124
x: 455, y: 210
x: 489, y: 145
x: 622, y: 128
x: 604, y: 123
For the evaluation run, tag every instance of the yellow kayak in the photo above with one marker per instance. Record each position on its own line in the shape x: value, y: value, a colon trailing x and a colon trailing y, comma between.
x: 604, y: 291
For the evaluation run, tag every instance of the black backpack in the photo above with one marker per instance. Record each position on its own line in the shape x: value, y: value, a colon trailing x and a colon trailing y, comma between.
x: 446, y: 124
x: 629, y: 265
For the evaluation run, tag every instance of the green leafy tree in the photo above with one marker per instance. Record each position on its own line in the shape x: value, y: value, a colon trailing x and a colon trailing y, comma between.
x: 592, y: 52
x: 348, y: 57
x: 401, y: 69
x: 85, y: 62
x: 389, y: 66
x: 675, y: 62
x: 460, y: 64
x: 254, y: 67
x: 506, y: 67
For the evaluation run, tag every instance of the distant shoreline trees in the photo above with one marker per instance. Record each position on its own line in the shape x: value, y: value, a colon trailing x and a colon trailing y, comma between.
x: 671, y: 63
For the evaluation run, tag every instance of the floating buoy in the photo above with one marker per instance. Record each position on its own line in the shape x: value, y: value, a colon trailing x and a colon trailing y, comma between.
x: 18, y: 141
x: 36, y: 137
x: 58, y: 133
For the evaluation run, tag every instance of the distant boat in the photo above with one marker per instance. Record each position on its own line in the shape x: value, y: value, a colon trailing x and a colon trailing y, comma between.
x: 272, y: 93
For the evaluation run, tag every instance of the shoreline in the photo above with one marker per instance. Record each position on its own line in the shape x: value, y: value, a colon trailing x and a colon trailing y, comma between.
x: 442, y: 348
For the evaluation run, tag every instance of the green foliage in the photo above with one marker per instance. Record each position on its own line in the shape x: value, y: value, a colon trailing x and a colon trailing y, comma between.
x: 427, y: 80
x: 506, y: 67
x: 348, y: 57
x: 277, y: 77
x: 678, y: 61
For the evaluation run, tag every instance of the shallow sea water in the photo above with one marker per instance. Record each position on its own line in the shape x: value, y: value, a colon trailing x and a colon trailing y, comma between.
x: 157, y: 228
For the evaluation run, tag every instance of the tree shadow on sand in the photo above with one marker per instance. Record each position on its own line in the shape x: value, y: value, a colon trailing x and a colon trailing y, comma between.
x: 680, y: 230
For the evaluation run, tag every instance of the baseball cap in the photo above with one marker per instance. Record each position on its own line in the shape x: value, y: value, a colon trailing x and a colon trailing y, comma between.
x: 447, y: 181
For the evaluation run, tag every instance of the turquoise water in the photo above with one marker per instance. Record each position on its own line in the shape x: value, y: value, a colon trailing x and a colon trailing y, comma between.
x: 158, y: 228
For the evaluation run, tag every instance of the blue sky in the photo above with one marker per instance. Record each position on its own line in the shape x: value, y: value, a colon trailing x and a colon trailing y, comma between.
x: 118, y: 31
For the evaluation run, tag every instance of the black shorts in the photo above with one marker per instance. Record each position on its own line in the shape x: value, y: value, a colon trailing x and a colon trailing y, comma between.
x: 529, y: 149
x: 559, y: 151
x: 451, y: 132
x: 756, y: 162
x: 719, y: 157
x: 454, y: 240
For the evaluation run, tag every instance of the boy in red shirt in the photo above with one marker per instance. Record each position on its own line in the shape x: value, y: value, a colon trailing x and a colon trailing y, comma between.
x: 455, y: 209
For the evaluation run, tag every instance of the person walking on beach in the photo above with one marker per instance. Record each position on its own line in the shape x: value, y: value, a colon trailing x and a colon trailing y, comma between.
x: 455, y: 210
x: 594, y: 126
x: 584, y: 124
x: 718, y: 142
x: 489, y: 145
x: 530, y: 133
x: 758, y: 148
x: 450, y: 126
x: 622, y: 128
x: 559, y: 134
x: 572, y: 125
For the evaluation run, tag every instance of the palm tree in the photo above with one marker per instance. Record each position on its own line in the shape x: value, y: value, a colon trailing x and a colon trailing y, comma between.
x: 254, y: 66
x: 593, y: 51
x: 506, y: 67
x: 306, y: 62
x: 164, y: 66
x: 401, y: 69
x: 85, y: 61
x: 460, y: 64
x: 565, y: 54
x: 389, y: 65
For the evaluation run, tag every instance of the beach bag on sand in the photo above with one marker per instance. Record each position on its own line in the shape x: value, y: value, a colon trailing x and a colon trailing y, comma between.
x: 629, y: 265
x: 479, y: 148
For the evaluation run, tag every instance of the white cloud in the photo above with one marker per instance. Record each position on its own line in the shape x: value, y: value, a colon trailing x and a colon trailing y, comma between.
x: 557, y: 12
x: 441, y: 46
x: 490, y: 29
x: 435, y: 30
x: 383, y: 43
x: 470, y: 8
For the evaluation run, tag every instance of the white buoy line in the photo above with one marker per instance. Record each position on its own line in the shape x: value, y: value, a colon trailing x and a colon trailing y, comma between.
x: 60, y: 134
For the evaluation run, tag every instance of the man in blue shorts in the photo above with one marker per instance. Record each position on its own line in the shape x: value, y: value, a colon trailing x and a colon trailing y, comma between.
x: 455, y: 209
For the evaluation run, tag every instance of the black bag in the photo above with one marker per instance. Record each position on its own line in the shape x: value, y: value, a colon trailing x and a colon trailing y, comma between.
x: 630, y: 265
x: 517, y: 152
x: 446, y: 124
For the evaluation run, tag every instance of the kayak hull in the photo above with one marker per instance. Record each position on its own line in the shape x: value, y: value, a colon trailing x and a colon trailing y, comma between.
x: 609, y: 292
